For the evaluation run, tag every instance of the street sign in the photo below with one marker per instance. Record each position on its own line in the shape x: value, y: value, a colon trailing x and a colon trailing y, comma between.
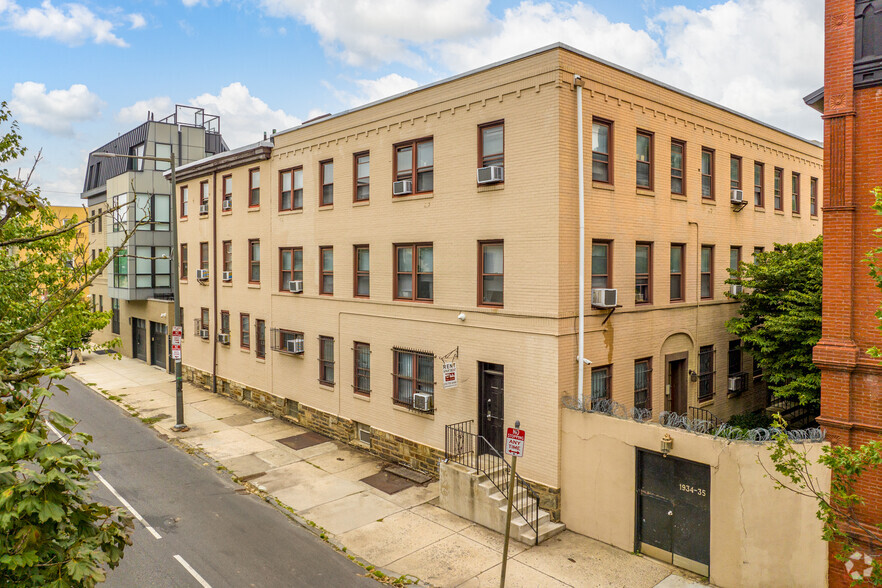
x: 177, y: 333
x: 449, y: 370
x: 514, y: 442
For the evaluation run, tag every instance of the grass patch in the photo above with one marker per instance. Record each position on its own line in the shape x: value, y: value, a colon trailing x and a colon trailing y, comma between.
x: 151, y: 420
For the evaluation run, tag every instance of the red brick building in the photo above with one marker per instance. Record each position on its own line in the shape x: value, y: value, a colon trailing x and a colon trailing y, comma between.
x: 851, y: 102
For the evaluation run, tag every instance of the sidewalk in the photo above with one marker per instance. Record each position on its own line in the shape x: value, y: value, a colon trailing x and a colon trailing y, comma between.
x: 396, y: 527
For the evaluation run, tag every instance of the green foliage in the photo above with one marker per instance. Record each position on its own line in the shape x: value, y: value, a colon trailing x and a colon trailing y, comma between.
x: 750, y: 420
x: 836, y: 507
x: 780, y: 317
x: 874, y: 259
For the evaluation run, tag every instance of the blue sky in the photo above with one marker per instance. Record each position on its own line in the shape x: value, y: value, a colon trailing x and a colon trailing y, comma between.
x: 77, y: 74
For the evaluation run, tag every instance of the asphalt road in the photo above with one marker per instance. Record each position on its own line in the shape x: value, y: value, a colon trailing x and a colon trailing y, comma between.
x: 207, y: 531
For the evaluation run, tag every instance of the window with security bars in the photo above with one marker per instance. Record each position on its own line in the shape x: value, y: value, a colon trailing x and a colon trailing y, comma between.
x: 706, y: 373
x: 600, y: 384
x: 326, y: 360
x: 643, y: 383
x: 414, y: 372
x: 362, y: 356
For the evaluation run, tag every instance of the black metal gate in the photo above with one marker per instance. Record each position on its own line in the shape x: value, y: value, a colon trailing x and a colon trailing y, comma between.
x: 139, y: 339
x: 491, y: 409
x: 673, y: 511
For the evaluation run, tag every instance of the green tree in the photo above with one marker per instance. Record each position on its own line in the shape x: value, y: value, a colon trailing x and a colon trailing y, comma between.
x: 779, y: 318
x: 874, y: 259
x: 51, y: 534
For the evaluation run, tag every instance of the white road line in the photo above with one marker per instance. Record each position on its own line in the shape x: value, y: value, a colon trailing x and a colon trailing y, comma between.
x: 113, y: 491
x: 193, y: 572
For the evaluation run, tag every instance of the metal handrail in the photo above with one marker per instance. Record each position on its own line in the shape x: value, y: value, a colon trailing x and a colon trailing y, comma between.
x: 702, y: 414
x: 474, y: 451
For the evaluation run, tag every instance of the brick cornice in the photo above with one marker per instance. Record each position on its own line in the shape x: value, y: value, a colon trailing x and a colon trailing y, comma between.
x: 836, y: 355
x: 831, y: 423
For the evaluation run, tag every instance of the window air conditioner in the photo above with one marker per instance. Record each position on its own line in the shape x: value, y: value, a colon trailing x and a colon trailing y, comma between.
x: 737, y: 196
x: 203, y: 209
x: 294, y: 346
x: 604, y: 297
x: 490, y: 174
x: 223, y: 338
x: 401, y: 188
x: 423, y: 402
x: 228, y: 276
x: 736, y: 384
x: 735, y: 289
x: 295, y: 286
x: 203, y: 333
x: 225, y: 205
x: 202, y: 274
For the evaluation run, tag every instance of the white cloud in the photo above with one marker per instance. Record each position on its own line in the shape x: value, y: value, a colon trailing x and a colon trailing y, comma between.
x: 56, y: 110
x: 371, y: 31
x: 73, y: 25
x: 371, y: 90
x: 137, y: 21
x: 160, y: 106
x: 243, y: 117
x: 62, y: 185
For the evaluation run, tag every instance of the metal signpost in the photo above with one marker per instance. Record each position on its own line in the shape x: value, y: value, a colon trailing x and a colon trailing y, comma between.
x: 177, y: 333
x: 514, y: 446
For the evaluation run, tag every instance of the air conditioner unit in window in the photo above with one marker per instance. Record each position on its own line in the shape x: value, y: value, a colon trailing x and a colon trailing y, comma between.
x: 401, y: 188
x: 201, y: 274
x: 295, y: 286
x: 423, y: 402
x: 490, y: 174
x: 203, y: 333
x: 294, y: 346
x: 223, y: 338
x: 604, y: 297
x: 737, y: 383
x: 228, y: 276
x: 225, y: 205
x: 735, y: 289
x: 203, y: 209
x: 737, y: 196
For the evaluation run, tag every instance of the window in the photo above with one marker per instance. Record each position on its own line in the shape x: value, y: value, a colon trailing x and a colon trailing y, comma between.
x: 326, y: 270
x: 644, y: 160
x: 225, y: 322
x: 779, y: 178
x: 114, y: 317
x: 735, y: 172
x: 734, y: 357
x: 203, y: 256
x: 101, y: 216
x: 326, y: 360
x: 491, y: 285
x: 227, y: 254
x: 491, y: 144
x: 260, y: 333
x: 734, y: 259
x: 601, y: 151
x: 707, y: 173
x: 203, y: 319
x: 326, y: 172
x: 813, y: 197
x: 152, y: 212
x: 600, y: 384
x: 163, y: 150
x: 121, y: 269
x: 290, y: 266
x: 100, y: 303
x: 643, y: 273
x: 152, y: 267
x: 759, y: 196
x: 136, y: 152
x: 92, y: 224
x: 281, y: 337
x: 228, y: 192
x: 707, y: 271
x: 253, y: 188
x: 415, y: 161
x: 705, y: 372
x: 362, y: 257
x: 254, y: 261
x: 413, y: 372
x: 203, y: 197
x: 414, y: 266
x: 244, y: 331
x: 362, y: 370
x: 120, y: 213
x: 794, y: 185
x: 600, y: 275
x: 291, y: 189
x: 185, y: 262
x: 678, y: 156
x: 757, y: 251
x: 185, y: 201
x: 362, y: 163
x: 643, y: 383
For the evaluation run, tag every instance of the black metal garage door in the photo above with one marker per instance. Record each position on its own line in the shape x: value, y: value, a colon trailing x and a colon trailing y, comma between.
x: 673, y: 511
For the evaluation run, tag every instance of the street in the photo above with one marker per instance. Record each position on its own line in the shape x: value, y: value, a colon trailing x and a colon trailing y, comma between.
x: 201, y: 531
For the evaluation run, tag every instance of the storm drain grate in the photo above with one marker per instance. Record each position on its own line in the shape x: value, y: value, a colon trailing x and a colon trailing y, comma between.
x: 387, y: 482
x: 303, y: 440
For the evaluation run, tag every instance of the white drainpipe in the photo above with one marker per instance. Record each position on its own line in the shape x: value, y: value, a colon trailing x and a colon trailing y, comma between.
x: 577, y: 80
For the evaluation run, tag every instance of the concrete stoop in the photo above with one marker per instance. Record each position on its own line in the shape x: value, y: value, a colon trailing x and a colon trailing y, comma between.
x: 472, y: 495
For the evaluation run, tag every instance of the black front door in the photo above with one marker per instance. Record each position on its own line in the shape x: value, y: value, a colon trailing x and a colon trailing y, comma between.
x: 157, y: 343
x: 491, y: 410
x: 673, y: 506
x: 139, y: 339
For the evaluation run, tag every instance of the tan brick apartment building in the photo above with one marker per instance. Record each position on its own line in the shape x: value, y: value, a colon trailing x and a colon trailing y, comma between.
x: 406, y: 261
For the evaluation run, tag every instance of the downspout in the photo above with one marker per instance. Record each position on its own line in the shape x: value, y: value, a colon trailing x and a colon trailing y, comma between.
x: 214, y: 280
x: 577, y: 81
